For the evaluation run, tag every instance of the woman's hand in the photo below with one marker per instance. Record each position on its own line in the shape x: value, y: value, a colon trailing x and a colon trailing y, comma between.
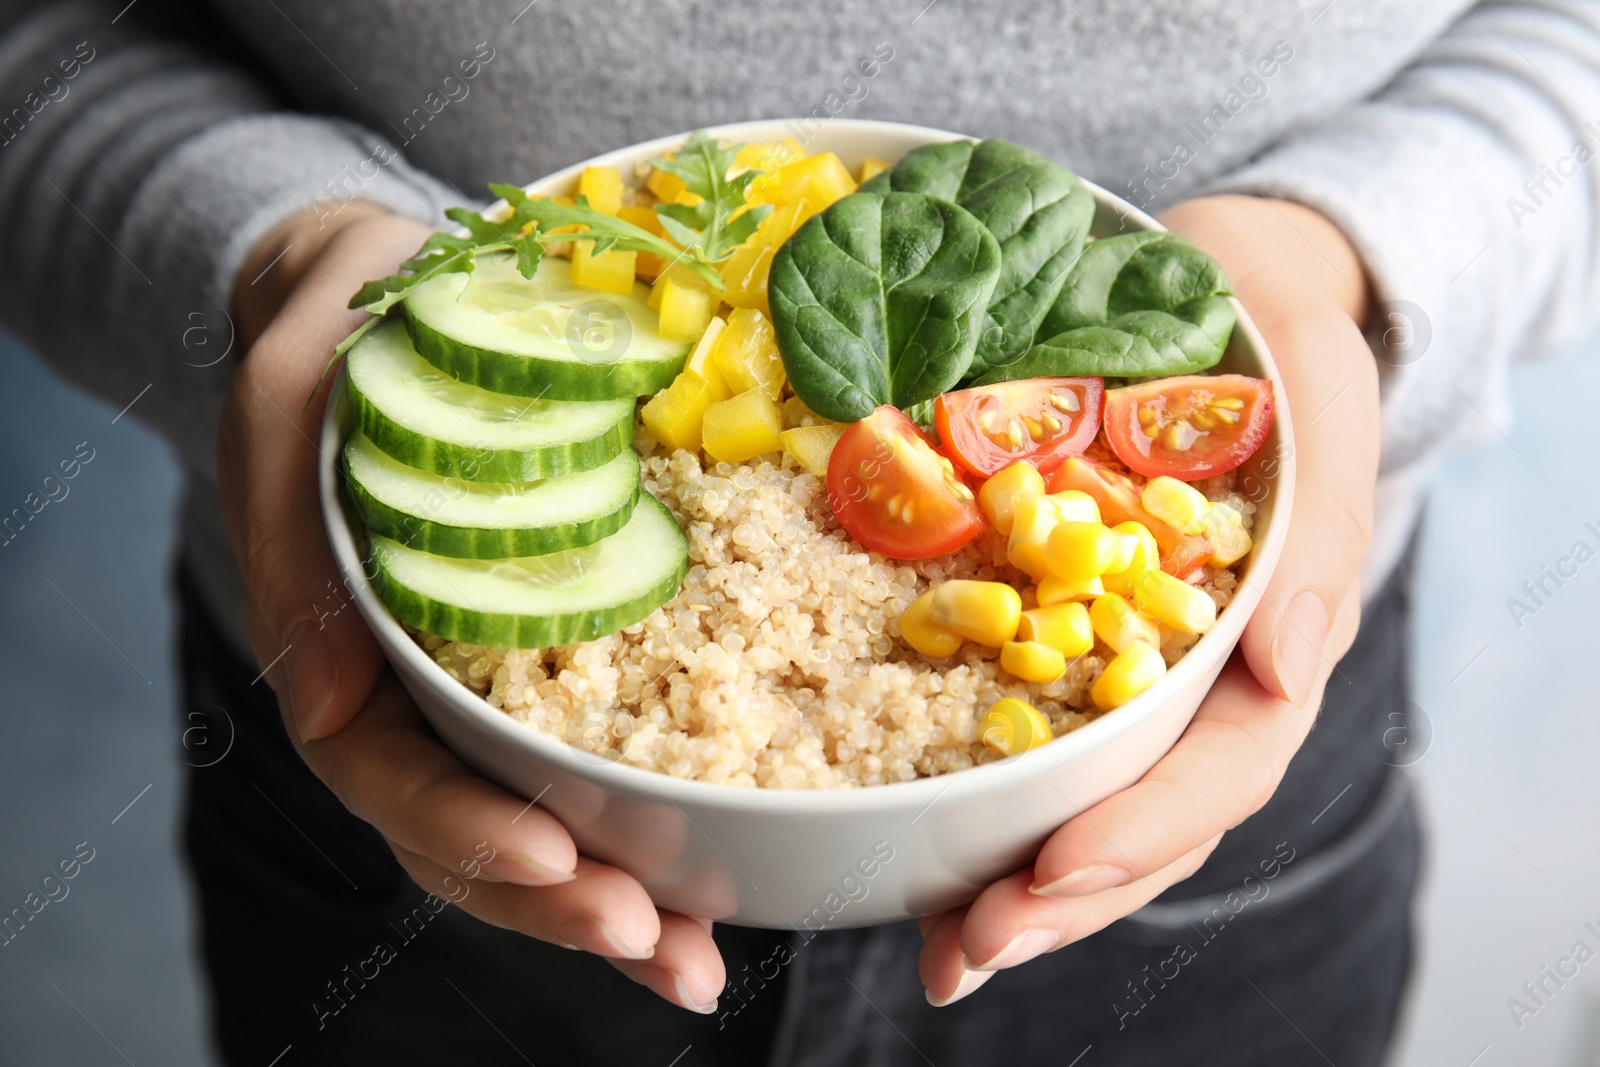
x: 1305, y: 288
x: 350, y: 719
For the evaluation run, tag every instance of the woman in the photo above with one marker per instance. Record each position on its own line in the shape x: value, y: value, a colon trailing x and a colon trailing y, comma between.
x: 1398, y: 190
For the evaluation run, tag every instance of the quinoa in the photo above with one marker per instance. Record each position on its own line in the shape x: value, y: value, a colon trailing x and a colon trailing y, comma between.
x: 780, y: 663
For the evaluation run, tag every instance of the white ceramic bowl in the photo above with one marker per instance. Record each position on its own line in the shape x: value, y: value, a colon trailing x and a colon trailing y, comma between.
x: 835, y: 859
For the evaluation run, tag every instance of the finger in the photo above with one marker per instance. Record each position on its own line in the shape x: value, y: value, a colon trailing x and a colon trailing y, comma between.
x: 942, y: 965
x: 322, y: 656
x: 1330, y: 380
x: 602, y: 911
x: 927, y: 922
x: 1223, y: 768
x: 387, y: 768
x: 686, y: 970
x: 1008, y: 925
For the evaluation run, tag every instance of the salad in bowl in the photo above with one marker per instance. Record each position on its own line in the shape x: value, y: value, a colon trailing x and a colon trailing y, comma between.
x: 728, y: 495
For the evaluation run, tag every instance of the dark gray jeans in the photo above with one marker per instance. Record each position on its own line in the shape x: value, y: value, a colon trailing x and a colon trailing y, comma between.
x: 1290, y: 946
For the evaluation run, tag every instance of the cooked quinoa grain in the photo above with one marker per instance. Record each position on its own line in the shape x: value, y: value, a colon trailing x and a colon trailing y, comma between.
x: 780, y: 663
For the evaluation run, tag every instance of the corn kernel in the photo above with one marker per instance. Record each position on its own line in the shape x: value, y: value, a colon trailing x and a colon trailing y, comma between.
x: 1064, y: 627
x: 1128, y: 674
x: 925, y: 635
x: 1173, y: 602
x: 1001, y: 490
x: 1079, y: 551
x: 1176, y: 503
x: 603, y: 187
x: 985, y: 612
x: 743, y: 427
x: 747, y: 353
x: 1012, y: 726
x: 1032, y: 661
x: 1230, y: 541
x: 675, y: 414
x: 812, y: 446
x: 1033, y: 517
x: 1145, y: 555
x: 701, y: 363
x: 685, y: 312
x: 871, y: 167
x: 609, y: 272
x: 1119, y: 624
x: 1053, y: 590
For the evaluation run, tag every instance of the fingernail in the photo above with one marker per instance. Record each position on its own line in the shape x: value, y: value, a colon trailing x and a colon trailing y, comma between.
x: 585, y: 932
x: 1024, y: 947
x: 523, y: 864
x: 1297, y: 645
x: 681, y: 989
x: 1086, y: 880
x: 313, y: 673
x: 970, y: 980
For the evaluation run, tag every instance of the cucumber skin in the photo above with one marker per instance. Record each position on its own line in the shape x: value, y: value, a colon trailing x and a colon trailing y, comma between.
x: 469, y: 542
x: 545, y: 379
x: 486, y: 464
x: 523, y: 631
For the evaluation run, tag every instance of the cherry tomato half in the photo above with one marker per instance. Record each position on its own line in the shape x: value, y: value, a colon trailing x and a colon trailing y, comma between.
x: 895, y: 494
x: 1190, y: 427
x: 1118, y: 498
x: 1042, y: 420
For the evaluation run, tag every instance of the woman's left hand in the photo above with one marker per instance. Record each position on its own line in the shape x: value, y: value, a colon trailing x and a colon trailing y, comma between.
x: 1306, y: 290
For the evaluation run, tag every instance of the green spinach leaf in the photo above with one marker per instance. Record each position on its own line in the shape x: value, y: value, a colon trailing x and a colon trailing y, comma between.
x: 880, y: 300
x: 1037, y: 210
x: 1138, y: 305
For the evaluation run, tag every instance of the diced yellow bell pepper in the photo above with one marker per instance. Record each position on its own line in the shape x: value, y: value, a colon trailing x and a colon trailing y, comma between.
x: 563, y: 248
x: 1176, y: 503
x: 1033, y: 517
x: 675, y: 414
x: 747, y: 353
x: 812, y: 446
x: 1128, y: 674
x: 815, y: 180
x: 1173, y: 602
x: 701, y: 363
x: 1012, y: 726
x: 1053, y: 590
x: 609, y: 272
x: 683, y: 276
x: 745, y: 272
x: 665, y: 186
x: 1064, y: 627
x: 1230, y: 541
x: 1032, y: 661
x: 1119, y: 624
x: 871, y: 167
x: 603, y: 187
x: 1143, y: 555
x: 768, y: 156
x: 1001, y: 490
x: 985, y: 612
x: 649, y: 265
x: 742, y: 427
x: 685, y: 311
x: 1078, y: 551
x: 922, y: 633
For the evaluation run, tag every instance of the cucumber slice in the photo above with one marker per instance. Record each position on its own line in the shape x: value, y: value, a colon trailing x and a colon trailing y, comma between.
x: 546, y: 337
x: 488, y: 520
x: 428, y: 420
x: 538, y: 601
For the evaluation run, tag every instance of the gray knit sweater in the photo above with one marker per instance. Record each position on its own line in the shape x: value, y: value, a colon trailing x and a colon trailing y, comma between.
x: 145, y: 146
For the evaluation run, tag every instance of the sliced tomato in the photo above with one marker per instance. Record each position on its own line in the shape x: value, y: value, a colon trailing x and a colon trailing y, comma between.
x: 895, y: 494
x: 1190, y: 427
x: 1181, y: 554
x: 1041, y: 420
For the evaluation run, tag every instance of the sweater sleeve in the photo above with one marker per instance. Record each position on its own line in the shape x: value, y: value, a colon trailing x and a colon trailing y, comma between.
x: 1470, y: 186
x: 139, y: 163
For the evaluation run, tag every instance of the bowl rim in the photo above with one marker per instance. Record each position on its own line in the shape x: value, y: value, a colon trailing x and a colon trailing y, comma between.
x: 1212, y: 649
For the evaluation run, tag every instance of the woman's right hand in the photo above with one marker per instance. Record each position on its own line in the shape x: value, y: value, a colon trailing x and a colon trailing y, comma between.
x: 348, y: 716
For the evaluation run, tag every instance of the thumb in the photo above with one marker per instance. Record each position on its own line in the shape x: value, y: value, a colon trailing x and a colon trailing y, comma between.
x: 1331, y: 383
x: 313, y: 645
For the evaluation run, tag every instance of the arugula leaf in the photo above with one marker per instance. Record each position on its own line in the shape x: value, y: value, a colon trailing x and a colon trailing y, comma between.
x: 716, y: 225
